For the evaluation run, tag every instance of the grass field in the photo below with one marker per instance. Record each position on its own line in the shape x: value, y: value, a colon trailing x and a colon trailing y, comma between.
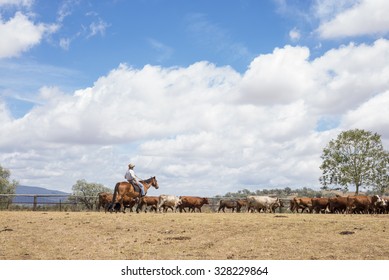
x: 191, y: 236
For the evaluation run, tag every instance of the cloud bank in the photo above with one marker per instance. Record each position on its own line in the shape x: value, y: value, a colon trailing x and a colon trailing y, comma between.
x: 202, y: 129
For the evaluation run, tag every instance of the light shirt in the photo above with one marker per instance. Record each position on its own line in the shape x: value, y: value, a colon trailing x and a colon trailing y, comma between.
x: 130, y: 175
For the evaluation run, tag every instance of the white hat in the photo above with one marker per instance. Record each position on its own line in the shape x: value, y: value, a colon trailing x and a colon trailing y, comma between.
x: 130, y: 165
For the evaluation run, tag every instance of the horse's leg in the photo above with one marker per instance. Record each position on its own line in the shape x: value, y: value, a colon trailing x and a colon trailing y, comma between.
x: 138, y: 207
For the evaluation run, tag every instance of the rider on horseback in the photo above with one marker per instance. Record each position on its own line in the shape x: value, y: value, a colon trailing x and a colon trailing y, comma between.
x: 133, y: 179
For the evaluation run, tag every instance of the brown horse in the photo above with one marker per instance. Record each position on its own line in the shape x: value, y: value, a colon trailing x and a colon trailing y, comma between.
x: 123, y: 189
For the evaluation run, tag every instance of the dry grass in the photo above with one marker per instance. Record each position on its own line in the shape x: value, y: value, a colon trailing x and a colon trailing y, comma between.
x: 209, y: 236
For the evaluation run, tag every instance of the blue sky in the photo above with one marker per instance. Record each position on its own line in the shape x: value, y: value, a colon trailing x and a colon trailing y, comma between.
x: 236, y: 94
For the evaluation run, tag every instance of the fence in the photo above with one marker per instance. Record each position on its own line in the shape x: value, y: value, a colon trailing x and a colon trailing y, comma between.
x: 61, y: 202
x: 36, y: 201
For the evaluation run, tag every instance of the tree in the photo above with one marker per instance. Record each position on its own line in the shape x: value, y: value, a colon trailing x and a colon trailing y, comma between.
x: 6, y: 187
x: 381, y: 182
x: 86, y: 193
x: 355, y: 158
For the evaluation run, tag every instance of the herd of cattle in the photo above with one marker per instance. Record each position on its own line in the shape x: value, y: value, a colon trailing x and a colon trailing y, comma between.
x: 359, y: 204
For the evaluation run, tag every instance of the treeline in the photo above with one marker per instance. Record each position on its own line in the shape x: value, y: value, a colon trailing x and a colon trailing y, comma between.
x: 288, y: 192
x: 285, y: 192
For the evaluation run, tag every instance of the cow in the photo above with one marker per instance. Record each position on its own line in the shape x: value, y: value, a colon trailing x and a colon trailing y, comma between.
x: 228, y: 203
x: 192, y: 202
x: 377, y: 204
x: 337, y: 204
x: 292, y: 205
x: 148, y: 201
x: 319, y: 205
x: 304, y: 203
x: 104, y: 200
x: 279, y: 205
x: 168, y: 201
x: 381, y: 206
x: 386, y: 207
x: 240, y: 203
x: 363, y: 204
x: 265, y: 203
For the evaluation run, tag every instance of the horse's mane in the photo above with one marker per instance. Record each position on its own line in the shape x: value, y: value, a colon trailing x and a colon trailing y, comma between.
x: 147, y: 180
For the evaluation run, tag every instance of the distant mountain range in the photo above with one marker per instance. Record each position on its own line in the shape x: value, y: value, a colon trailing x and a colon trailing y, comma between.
x: 30, y: 190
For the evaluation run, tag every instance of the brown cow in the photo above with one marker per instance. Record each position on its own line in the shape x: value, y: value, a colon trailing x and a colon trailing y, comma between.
x: 303, y: 203
x: 192, y: 202
x: 337, y: 204
x: 151, y: 201
x: 104, y: 200
x: 292, y: 205
x: 319, y: 205
x: 362, y: 203
x: 240, y: 203
x: 227, y: 203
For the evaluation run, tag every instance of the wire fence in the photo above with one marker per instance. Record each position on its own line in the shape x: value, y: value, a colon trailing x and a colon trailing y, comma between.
x: 68, y: 202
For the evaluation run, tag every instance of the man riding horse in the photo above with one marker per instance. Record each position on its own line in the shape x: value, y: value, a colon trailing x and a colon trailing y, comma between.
x: 131, y: 189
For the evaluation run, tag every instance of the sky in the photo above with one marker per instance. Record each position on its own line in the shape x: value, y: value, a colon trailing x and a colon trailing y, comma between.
x: 208, y: 96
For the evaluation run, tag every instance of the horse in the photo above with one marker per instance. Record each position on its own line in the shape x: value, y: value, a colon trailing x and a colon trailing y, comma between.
x: 127, y: 189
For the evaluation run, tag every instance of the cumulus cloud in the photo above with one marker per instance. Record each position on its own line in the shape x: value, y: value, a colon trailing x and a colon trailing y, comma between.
x: 364, y: 118
x: 278, y: 78
x: 343, y: 19
x: 20, y: 33
x: 350, y: 75
x: 202, y: 129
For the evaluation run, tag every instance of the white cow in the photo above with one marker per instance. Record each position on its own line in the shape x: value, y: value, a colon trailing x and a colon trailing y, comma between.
x: 266, y: 203
x: 168, y: 201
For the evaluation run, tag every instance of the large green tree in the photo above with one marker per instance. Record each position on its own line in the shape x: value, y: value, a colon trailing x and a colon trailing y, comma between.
x: 355, y: 158
x: 86, y: 193
x: 6, y: 186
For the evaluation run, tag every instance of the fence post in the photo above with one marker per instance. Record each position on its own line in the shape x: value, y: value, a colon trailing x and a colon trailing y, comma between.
x: 35, y: 203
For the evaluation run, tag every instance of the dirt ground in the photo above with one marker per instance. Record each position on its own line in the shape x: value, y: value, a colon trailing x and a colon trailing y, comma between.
x: 191, y: 236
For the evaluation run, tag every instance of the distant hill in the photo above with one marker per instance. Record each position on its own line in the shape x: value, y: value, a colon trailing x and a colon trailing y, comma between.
x: 38, y: 191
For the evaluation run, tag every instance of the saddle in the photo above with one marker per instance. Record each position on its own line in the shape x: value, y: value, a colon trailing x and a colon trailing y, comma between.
x: 136, y: 188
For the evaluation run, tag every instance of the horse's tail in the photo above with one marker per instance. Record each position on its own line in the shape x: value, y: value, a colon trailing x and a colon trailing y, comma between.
x: 115, y: 192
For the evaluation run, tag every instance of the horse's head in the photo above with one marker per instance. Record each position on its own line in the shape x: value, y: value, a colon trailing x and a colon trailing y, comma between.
x: 154, y: 182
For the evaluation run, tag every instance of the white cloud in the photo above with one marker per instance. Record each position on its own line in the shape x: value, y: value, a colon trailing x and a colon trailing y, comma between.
x: 294, y: 34
x: 202, y: 129
x: 19, y: 34
x: 371, y: 115
x: 25, y: 3
x: 97, y: 27
x: 351, y: 75
x: 364, y: 17
x: 278, y: 78
x: 64, y: 43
